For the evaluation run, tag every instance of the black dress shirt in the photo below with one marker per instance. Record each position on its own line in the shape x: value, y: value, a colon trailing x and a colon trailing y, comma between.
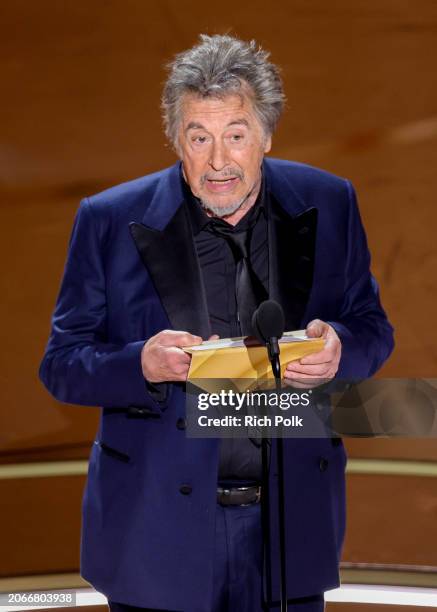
x: 240, y: 458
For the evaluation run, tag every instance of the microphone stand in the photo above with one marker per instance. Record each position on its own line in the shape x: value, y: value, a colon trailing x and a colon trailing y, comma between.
x: 265, y: 518
x: 273, y: 351
x: 268, y: 323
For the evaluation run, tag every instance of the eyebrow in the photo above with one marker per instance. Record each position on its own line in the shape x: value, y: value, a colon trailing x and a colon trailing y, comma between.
x: 194, y: 125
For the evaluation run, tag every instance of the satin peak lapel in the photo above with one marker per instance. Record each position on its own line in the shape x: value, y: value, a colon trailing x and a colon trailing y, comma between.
x: 171, y: 260
x: 292, y: 241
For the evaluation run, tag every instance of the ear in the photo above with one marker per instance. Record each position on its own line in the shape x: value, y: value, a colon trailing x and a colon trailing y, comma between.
x: 268, y: 144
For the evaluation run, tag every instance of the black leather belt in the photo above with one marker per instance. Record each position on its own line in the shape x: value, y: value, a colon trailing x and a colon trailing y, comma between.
x: 239, y: 496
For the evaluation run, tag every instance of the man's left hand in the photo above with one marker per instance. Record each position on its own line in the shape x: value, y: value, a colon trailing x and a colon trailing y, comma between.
x: 321, y: 365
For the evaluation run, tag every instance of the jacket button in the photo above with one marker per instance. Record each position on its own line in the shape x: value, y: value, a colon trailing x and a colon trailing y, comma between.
x: 181, y: 424
x: 323, y: 464
x: 186, y: 489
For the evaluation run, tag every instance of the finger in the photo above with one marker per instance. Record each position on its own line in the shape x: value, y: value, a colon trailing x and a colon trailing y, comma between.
x: 182, y: 377
x: 299, y: 376
x: 176, y: 356
x: 311, y: 370
x: 214, y: 337
x: 189, y: 340
x: 182, y: 373
x: 182, y: 369
x: 295, y: 365
x: 325, y: 356
x: 316, y: 328
x: 171, y: 337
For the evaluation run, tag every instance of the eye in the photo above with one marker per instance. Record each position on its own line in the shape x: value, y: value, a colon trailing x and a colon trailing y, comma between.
x: 236, y: 138
x: 199, y: 139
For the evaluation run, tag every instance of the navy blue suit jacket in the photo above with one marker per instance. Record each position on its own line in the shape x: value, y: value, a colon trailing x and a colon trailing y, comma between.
x: 131, y: 272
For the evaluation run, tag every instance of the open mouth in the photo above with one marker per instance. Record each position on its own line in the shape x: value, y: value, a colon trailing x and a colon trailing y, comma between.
x: 222, y: 184
x: 227, y: 180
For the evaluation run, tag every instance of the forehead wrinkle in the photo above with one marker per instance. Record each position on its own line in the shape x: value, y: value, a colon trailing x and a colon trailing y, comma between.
x: 238, y: 122
x: 195, y: 125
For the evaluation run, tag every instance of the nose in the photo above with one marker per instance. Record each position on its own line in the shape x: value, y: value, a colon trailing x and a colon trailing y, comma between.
x: 219, y: 157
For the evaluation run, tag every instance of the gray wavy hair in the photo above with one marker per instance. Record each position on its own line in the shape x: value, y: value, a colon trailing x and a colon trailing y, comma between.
x: 219, y: 66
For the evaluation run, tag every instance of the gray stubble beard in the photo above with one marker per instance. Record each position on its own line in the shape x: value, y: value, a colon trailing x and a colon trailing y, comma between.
x: 224, y: 211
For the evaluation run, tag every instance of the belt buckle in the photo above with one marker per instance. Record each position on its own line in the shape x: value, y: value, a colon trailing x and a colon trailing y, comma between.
x: 226, y: 492
x: 257, y: 496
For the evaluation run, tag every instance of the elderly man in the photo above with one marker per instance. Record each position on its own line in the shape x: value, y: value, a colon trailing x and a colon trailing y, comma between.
x: 182, y: 255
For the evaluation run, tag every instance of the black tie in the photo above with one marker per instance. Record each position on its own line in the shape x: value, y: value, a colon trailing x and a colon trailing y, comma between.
x: 249, y: 290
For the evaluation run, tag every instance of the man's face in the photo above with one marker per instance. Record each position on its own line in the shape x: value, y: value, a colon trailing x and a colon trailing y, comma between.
x: 221, y: 143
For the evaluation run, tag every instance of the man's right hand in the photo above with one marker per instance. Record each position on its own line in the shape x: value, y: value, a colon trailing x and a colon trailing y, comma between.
x: 162, y: 358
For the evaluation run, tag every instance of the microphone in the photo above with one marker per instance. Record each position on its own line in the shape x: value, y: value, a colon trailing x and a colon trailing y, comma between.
x: 268, y: 325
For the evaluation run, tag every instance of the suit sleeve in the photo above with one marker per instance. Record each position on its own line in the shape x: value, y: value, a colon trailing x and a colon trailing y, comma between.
x: 79, y: 365
x: 363, y: 328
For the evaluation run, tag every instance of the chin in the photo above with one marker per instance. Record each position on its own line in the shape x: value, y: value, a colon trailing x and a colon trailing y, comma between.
x: 222, y: 210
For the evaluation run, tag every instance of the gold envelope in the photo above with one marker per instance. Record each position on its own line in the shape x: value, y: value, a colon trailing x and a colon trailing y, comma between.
x: 244, y: 358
